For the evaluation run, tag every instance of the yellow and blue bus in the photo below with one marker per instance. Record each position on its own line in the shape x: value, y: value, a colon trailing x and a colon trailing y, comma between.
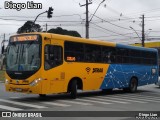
x: 45, y: 63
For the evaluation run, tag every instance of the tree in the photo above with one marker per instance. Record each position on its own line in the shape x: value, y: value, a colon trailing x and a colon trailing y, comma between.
x: 61, y: 31
x: 29, y: 26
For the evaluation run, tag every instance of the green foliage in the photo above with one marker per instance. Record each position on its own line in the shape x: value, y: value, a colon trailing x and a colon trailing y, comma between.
x: 61, y: 31
x: 29, y: 26
x: 2, y: 72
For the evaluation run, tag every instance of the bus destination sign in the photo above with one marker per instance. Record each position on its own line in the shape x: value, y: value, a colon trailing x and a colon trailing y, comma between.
x: 23, y: 38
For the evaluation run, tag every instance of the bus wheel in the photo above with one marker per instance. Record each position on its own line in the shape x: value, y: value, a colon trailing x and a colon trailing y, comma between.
x: 73, y: 89
x: 133, y: 85
x: 42, y: 95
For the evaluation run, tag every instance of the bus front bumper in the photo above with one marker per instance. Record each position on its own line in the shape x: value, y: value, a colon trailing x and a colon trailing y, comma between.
x: 24, y: 88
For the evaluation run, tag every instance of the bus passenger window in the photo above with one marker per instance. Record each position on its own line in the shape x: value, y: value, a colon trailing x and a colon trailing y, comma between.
x: 53, y: 56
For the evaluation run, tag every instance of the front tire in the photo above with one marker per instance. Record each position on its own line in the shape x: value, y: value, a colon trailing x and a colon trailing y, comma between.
x: 73, y: 89
x: 132, y: 86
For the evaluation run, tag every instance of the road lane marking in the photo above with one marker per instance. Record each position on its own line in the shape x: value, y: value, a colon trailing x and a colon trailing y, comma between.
x: 135, y: 95
x: 56, y: 104
x: 94, y: 101
x: 146, y: 96
x: 9, y: 108
x: 142, y: 96
x: 140, y: 99
x: 123, y: 99
x: 75, y: 102
x: 102, y: 99
x: 155, y: 93
x: 22, y: 104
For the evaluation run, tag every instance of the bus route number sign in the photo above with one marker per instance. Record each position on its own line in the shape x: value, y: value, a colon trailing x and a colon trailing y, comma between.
x: 23, y: 38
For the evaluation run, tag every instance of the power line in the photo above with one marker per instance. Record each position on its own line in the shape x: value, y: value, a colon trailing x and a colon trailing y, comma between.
x: 39, y: 20
x: 110, y: 30
x: 113, y: 35
x: 112, y: 23
x: 11, y: 24
x: 143, y: 12
x: 66, y: 25
x: 99, y: 29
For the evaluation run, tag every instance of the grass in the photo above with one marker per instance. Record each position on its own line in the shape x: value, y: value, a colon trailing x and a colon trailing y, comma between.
x: 2, y: 75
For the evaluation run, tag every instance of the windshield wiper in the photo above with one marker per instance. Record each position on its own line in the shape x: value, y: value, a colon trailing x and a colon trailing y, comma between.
x: 17, y: 54
x: 32, y: 59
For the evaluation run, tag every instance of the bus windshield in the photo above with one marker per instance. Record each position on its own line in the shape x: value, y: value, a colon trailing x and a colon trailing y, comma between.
x: 23, y: 56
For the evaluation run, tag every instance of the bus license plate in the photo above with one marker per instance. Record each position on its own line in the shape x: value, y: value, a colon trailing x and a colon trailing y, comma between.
x: 18, y: 89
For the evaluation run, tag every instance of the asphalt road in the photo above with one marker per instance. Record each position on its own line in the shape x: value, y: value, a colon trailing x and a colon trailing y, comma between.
x: 146, y: 99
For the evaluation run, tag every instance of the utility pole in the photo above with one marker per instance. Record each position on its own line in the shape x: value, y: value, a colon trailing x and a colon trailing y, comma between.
x: 2, y: 52
x: 143, y: 35
x: 2, y: 44
x: 87, y: 21
x: 4, y: 36
x: 46, y: 27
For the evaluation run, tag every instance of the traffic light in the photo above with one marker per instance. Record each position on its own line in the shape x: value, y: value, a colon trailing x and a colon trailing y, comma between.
x: 50, y: 12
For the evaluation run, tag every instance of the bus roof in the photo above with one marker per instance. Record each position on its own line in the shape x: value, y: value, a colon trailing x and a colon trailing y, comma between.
x: 72, y: 38
x: 90, y: 41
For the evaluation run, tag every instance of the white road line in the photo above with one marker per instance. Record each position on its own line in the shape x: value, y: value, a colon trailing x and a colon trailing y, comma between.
x: 132, y: 95
x: 75, y: 102
x: 123, y: 99
x: 146, y: 96
x: 22, y: 104
x: 94, y: 101
x: 142, y: 96
x: 9, y: 108
x: 140, y: 99
x: 55, y: 104
x: 102, y: 99
x: 157, y: 93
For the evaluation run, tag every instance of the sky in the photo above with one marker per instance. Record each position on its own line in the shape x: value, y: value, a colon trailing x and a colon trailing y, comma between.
x: 115, y: 20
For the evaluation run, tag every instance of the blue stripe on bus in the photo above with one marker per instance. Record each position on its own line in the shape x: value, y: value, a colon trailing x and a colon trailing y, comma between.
x: 119, y: 75
x: 135, y: 47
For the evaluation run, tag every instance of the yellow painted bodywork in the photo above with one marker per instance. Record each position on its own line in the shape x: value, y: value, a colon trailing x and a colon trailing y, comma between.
x: 56, y: 80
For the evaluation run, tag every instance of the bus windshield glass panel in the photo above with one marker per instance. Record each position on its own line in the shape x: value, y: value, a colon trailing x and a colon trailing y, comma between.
x: 23, y: 53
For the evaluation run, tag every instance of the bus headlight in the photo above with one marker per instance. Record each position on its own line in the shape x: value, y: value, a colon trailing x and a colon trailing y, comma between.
x: 35, y: 82
x: 6, y: 81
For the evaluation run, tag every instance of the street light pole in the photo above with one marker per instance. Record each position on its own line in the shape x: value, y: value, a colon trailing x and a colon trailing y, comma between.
x: 39, y: 15
x: 135, y: 32
x: 96, y: 10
